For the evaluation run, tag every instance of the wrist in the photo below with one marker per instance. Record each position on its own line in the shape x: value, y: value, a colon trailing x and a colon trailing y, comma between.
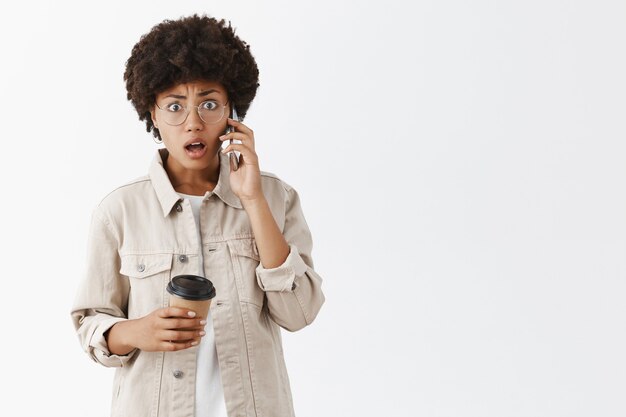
x: 254, y: 202
x: 119, y: 336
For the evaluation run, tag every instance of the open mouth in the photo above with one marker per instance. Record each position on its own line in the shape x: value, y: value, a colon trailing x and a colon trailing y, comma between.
x: 195, y: 149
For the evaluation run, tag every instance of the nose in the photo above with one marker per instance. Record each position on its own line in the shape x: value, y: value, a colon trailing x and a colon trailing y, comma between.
x: 193, y: 121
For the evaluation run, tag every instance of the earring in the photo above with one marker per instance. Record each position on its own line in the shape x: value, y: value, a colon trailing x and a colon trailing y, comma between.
x: 154, y: 138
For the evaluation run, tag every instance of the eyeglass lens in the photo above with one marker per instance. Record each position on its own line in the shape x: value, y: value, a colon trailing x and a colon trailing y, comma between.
x: 209, y: 112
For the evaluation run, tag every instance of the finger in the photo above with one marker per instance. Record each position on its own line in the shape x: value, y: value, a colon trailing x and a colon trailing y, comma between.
x: 183, y: 323
x: 240, y: 127
x: 175, y: 346
x: 176, y: 312
x: 182, y: 335
x: 247, y: 153
x: 175, y: 323
x: 245, y: 139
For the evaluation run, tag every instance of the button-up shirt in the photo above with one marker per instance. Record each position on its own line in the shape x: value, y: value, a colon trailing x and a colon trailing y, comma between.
x: 141, y: 235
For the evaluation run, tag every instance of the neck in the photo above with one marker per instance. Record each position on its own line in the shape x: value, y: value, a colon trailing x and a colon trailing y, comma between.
x: 193, y: 181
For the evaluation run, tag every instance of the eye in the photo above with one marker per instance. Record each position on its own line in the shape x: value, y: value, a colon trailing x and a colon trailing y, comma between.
x: 209, y: 105
x: 174, y: 107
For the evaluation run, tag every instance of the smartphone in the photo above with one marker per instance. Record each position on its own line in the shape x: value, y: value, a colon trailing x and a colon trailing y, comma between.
x: 233, y: 155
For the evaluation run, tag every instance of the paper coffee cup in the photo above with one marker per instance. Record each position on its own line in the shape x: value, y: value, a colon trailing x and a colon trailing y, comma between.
x: 192, y: 292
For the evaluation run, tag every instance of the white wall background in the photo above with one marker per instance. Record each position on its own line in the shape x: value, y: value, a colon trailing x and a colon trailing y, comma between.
x: 461, y: 166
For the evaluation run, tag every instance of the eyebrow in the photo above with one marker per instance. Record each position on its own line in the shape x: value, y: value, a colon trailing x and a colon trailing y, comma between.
x: 200, y: 94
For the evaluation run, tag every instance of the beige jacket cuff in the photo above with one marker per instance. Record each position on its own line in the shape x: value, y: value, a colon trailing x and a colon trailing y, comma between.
x: 100, y: 349
x: 282, y: 278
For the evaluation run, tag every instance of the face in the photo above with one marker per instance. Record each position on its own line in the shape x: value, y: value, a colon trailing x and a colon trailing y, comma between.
x: 193, y: 142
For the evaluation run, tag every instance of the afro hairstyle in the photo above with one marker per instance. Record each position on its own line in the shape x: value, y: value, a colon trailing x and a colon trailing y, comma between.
x: 190, y: 49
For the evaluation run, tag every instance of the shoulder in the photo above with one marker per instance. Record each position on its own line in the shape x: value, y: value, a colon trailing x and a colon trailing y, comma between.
x: 128, y: 194
x: 281, y: 196
x: 274, y: 186
x: 129, y: 190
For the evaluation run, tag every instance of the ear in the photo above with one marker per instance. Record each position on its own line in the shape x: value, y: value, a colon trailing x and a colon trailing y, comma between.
x: 153, y: 117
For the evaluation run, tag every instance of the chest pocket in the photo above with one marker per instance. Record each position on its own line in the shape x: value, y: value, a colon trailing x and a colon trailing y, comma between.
x: 246, y: 259
x: 148, y: 276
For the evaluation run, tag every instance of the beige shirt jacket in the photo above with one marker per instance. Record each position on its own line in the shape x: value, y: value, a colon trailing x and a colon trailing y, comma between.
x: 142, y: 234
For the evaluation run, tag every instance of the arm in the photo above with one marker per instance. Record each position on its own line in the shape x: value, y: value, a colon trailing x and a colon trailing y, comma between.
x: 286, y: 273
x: 273, y: 248
x: 102, y: 296
x: 100, y: 310
x: 165, y: 329
x: 293, y: 289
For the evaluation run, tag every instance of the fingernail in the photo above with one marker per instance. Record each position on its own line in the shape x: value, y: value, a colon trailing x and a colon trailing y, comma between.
x: 194, y: 343
x: 202, y: 332
x: 222, y: 137
x: 191, y: 314
x: 203, y: 322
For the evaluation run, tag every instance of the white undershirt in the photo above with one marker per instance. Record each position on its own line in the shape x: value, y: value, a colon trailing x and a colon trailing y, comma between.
x: 209, y: 392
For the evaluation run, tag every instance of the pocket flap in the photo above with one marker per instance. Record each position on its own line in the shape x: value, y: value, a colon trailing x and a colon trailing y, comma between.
x: 244, y: 247
x: 140, y: 266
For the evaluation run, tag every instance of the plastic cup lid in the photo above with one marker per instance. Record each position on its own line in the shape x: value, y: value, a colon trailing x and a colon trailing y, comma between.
x: 191, y: 287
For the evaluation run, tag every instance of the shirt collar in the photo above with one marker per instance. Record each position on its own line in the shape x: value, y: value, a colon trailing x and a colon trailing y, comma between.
x: 168, y: 197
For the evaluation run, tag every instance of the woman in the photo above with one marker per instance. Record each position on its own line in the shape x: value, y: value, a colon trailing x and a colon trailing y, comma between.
x: 194, y: 213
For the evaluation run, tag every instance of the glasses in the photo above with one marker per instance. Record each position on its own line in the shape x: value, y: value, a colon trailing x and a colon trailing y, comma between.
x: 210, y: 112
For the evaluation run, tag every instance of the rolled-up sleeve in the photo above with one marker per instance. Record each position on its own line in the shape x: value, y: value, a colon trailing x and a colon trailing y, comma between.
x: 282, y: 278
x: 102, y: 297
x: 293, y: 289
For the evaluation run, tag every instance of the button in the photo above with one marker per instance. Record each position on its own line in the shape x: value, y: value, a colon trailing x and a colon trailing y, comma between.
x: 177, y: 374
x: 179, y: 207
x: 141, y: 267
x: 182, y: 258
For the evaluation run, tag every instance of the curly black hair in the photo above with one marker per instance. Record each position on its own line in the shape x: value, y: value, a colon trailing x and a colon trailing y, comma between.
x: 190, y: 49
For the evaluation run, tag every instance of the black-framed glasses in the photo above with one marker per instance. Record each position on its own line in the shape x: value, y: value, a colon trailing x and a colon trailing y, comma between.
x: 210, y: 112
